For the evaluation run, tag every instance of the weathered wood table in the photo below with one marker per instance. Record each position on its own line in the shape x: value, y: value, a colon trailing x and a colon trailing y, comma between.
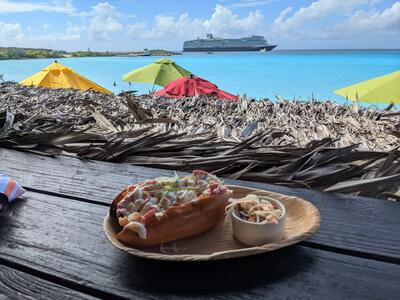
x: 52, y: 244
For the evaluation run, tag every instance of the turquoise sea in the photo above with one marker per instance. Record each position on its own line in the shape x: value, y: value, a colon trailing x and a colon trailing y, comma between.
x: 290, y: 74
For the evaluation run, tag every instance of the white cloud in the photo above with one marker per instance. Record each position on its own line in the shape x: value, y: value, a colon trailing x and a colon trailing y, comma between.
x: 223, y: 22
x: 105, y: 22
x: 340, y: 21
x: 282, y: 15
x: 102, y: 22
x: 253, y: 3
x: 136, y: 30
x: 74, y: 29
x: 10, y: 31
x: 316, y: 11
x: 46, y: 27
x: 12, y: 34
x: 369, y: 22
x: 59, y: 6
x: 352, y: 24
x: 71, y: 33
x: 51, y: 38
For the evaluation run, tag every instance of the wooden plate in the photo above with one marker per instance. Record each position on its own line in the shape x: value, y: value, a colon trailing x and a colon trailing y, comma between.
x: 302, y: 220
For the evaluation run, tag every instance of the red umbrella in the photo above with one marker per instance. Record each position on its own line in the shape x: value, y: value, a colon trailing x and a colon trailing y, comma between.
x: 191, y: 86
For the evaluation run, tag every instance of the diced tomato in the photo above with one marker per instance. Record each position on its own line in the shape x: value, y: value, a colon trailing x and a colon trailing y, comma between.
x: 213, y: 185
x: 149, y: 214
x: 217, y: 188
x: 147, y: 188
x: 252, y: 218
x: 199, y: 173
x: 149, y: 182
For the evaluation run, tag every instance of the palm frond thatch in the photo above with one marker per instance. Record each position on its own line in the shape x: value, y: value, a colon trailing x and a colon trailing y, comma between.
x: 318, y: 145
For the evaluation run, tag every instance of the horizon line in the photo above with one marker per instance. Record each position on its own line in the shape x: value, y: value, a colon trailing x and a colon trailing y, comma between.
x: 275, y: 50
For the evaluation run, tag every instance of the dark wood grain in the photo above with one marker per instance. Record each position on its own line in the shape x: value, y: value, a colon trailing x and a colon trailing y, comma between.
x: 64, y: 239
x: 357, y: 224
x: 95, y: 180
x: 15, y: 284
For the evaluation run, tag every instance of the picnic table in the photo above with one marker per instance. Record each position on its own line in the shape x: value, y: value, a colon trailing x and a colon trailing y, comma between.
x: 52, y: 244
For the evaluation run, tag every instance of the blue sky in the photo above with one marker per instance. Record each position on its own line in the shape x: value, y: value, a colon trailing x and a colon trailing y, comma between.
x: 137, y: 24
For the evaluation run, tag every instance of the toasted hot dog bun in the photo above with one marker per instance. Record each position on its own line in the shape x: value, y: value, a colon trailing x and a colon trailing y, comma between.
x: 178, y: 222
x: 163, y: 210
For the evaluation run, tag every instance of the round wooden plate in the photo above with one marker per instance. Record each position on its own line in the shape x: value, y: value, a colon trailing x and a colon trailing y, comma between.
x: 302, y: 220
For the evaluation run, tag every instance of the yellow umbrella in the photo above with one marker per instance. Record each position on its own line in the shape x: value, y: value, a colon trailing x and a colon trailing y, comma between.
x: 383, y: 89
x: 58, y: 76
x: 161, y: 72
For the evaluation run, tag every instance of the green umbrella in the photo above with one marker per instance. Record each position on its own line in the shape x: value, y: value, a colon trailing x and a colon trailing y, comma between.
x: 161, y: 72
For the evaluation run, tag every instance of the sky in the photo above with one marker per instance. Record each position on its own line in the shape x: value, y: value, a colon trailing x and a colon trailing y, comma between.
x: 125, y: 25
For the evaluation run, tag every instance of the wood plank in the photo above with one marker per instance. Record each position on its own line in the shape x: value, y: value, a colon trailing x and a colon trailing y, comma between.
x: 64, y: 239
x: 357, y: 224
x: 16, y: 284
x: 95, y: 180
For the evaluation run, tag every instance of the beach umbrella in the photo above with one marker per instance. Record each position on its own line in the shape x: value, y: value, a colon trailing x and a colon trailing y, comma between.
x: 384, y: 89
x: 58, y: 76
x: 161, y: 72
x: 192, y: 86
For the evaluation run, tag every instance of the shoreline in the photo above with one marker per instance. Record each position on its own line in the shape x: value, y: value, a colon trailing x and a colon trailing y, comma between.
x: 94, y: 56
x: 176, y: 53
x: 16, y: 53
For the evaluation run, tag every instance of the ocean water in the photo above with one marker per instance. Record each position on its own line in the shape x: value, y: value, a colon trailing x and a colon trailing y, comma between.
x: 297, y: 75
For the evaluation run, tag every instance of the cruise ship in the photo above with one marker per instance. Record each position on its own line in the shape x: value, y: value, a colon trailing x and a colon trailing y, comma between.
x: 211, y: 44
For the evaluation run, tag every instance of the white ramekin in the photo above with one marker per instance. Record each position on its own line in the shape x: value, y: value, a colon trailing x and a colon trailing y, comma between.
x: 255, y: 234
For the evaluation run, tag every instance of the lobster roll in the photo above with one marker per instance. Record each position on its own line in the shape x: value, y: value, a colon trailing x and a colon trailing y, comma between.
x: 164, y: 209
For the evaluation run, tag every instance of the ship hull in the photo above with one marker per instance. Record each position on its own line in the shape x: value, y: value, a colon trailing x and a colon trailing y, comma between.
x: 229, y: 49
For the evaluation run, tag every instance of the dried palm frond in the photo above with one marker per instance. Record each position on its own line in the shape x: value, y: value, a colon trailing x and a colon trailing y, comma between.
x: 318, y: 145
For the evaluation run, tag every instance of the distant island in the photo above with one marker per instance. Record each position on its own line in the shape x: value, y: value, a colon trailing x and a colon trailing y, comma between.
x: 29, y: 53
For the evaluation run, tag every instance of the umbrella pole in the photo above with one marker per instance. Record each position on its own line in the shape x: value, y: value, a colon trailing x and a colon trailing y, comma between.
x: 356, y: 104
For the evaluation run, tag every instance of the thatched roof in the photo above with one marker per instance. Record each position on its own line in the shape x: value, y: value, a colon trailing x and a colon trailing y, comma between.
x: 320, y: 145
